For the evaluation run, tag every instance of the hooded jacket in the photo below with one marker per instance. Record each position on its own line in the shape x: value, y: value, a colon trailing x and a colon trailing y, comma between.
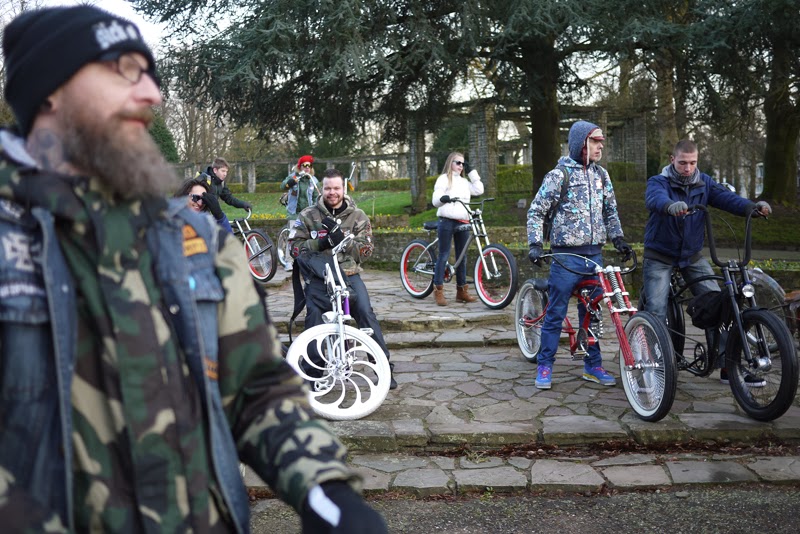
x: 587, y: 216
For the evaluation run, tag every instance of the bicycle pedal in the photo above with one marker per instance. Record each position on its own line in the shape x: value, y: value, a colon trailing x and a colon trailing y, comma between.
x: 368, y: 331
x: 578, y: 356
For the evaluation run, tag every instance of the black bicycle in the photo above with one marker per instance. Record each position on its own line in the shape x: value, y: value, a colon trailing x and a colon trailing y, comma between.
x: 760, y: 358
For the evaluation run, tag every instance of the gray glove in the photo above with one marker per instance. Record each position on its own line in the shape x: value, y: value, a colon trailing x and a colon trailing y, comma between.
x: 535, y: 253
x: 623, y: 248
x: 445, y: 199
x: 763, y: 208
x: 677, y: 208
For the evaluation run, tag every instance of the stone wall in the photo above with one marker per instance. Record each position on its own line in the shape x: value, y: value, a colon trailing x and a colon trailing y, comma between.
x: 389, y: 246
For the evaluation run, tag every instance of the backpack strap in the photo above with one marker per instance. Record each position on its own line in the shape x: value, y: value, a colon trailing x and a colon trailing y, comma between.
x: 564, y: 184
x: 551, y: 213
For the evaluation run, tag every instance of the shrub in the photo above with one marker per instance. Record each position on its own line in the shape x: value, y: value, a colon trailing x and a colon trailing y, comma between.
x: 623, y: 171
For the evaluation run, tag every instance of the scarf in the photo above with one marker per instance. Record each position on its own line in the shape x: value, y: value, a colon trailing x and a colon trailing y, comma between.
x: 677, y: 178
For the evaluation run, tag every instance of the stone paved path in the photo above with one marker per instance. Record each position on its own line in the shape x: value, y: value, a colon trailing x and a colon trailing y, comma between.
x: 464, y: 385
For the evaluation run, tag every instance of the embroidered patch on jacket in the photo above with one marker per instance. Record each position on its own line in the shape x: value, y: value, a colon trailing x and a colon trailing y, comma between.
x: 212, y: 369
x: 192, y: 243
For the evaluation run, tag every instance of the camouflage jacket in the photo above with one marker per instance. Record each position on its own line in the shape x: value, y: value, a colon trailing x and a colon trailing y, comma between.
x: 585, y: 218
x: 307, y: 229
x: 53, y: 423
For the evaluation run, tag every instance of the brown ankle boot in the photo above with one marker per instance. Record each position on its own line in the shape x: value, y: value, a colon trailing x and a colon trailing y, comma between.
x: 463, y: 296
x: 438, y: 292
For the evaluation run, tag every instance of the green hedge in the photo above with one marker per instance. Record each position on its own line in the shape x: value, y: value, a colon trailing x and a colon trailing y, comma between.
x: 623, y: 171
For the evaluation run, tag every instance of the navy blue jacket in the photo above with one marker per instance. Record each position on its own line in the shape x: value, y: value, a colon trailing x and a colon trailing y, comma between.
x: 680, y: 239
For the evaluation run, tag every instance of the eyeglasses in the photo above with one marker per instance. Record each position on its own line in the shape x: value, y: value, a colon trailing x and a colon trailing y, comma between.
x: 196, y: 198
x: 306, y: 165
x: 458, y: 162
x: 129, y: 68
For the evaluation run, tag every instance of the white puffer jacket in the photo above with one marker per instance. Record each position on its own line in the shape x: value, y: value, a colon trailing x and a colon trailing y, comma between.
x: 461, y: 188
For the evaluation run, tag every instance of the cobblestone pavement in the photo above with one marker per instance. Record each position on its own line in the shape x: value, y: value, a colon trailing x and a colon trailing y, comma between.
x: 464, y: 386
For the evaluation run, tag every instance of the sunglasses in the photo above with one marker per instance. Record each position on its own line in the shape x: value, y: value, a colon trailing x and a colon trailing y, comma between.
x: 196, y: 198
x: 306, y: 165
x: 458, y: 162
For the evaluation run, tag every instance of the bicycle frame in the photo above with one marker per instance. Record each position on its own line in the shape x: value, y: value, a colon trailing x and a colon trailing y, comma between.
x: 613, y: 293
x: 478, y: 235
x: 736, y: 281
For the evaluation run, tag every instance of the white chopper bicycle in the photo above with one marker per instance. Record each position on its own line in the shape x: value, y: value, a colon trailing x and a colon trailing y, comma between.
x: 355, y: 373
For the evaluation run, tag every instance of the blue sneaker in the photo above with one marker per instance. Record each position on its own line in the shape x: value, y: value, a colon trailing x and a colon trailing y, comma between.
x: 599, y: 375
x: 544, y: 378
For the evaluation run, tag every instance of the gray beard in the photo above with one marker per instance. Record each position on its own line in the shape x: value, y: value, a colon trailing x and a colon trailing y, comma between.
x: 130, y: 169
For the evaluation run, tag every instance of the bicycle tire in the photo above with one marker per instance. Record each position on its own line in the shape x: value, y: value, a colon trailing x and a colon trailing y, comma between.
x: 283, y: 248
x: 417, y: 253
x: 496, y: 289
x: 776, y: 396
x: 650, y: 390
x: 261, y: 256
x: 363, y: 365
x: 676, y: 322
x: 531, y: 303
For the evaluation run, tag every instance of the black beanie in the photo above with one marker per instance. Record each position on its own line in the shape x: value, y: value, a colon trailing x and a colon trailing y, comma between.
x: 44, y: 48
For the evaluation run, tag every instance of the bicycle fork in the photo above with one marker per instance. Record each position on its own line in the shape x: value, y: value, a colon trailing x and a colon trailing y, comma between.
x: 618, y: 301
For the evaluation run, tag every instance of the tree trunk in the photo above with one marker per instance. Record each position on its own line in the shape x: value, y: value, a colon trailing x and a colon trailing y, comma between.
x: 780, y: 154
x: 542, y: 74
x: 665, y: 111
x: 417, y: 168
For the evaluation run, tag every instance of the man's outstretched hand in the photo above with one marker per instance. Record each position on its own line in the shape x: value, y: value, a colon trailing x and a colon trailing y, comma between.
x: 333, y: 507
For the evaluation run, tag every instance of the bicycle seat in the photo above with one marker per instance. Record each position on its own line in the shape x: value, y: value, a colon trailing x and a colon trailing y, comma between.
x: 430, y: 225
x: 540, y: 284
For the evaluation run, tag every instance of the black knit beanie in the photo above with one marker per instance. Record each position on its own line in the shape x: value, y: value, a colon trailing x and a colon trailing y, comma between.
x: 44, y: 48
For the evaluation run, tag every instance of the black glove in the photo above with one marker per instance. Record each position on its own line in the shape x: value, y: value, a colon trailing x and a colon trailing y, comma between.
x: 623, y: 248
x: 467, y: 167
x: 247, y: 206
x: 445, y: 199
x: 335, y: 234
x: 535, y: 253
x: 334, y: 508
x: 213, y: 205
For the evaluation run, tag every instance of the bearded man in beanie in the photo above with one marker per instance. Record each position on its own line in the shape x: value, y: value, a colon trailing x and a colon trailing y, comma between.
x: 583, y: 219
x: 672, y: 240
x: 137, y: 364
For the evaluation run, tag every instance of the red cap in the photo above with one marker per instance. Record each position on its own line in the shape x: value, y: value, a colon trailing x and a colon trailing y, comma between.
x: 304, y: 159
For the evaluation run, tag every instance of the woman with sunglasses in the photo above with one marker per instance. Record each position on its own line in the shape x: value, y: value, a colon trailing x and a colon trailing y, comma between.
x: 453, y: 221
x: 199, y: 198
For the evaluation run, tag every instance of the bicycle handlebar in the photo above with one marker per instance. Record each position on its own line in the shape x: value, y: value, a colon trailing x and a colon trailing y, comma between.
x: 468, y: 204
x: 553, y: 256
x: 712, y: 245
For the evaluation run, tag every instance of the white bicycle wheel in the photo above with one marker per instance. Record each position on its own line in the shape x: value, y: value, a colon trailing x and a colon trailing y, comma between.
x: 353, y: 378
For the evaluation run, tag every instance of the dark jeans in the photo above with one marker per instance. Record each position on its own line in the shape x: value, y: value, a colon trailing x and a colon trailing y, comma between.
x: 360, y: 307
x: 451, y: 229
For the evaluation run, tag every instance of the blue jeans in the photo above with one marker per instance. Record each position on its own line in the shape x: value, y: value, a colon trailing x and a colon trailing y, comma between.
x: 447, y: 232
x: 657, y: 275
x: 561, y: 283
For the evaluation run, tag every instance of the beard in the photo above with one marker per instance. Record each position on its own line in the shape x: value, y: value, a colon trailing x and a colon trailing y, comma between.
x: 130, y: 166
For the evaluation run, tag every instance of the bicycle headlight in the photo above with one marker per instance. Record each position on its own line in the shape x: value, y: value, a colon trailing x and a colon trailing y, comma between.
x: 329, y: 317
x: 748, y: 290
